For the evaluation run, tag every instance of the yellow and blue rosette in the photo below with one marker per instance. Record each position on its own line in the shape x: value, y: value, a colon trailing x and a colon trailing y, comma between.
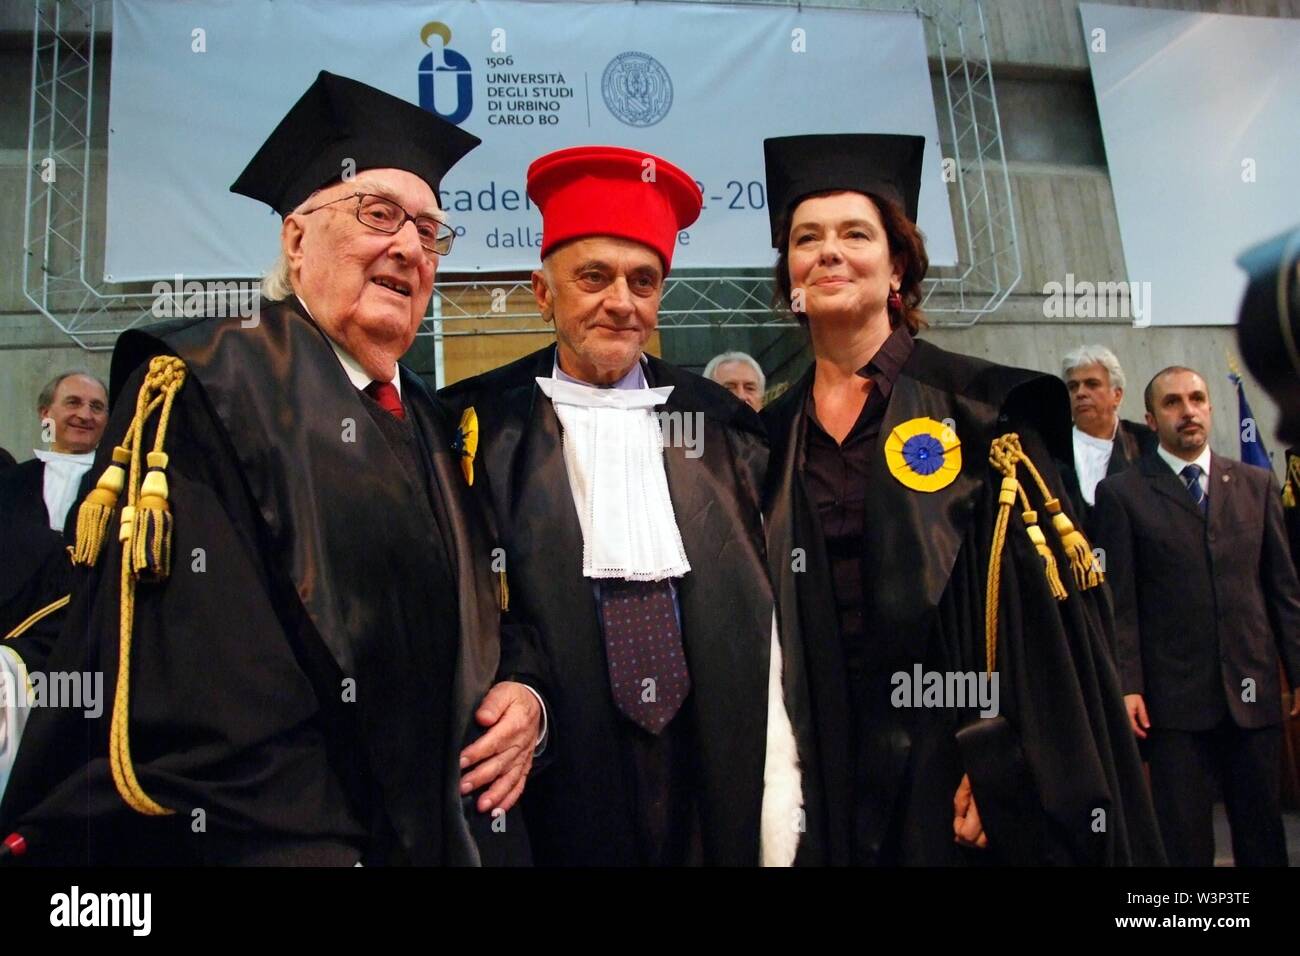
x: 923, y: 454
x: 466, y: 443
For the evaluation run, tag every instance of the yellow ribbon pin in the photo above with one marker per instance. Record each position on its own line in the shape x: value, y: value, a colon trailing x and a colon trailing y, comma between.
x: 467, y: 443
x: 923, y: 454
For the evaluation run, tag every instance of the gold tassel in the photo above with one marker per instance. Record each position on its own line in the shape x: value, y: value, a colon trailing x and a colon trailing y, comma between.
x: 1049, y: 560
x: 504, y: 591
x: 1288, y: 496
x: 151, y: 535
x: 124, y: 530
x: 1087, y: 572
x: 97, y: 510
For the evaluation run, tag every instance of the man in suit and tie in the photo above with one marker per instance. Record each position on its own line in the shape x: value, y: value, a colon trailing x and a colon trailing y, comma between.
x: 1104, y: 444
x: 1206, y: 600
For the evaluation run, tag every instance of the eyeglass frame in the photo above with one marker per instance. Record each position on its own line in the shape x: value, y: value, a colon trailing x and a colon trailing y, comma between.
x: 407, y: 217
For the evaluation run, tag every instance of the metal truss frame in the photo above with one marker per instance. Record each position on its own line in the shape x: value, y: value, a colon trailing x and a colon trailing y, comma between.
x: 61, y: 271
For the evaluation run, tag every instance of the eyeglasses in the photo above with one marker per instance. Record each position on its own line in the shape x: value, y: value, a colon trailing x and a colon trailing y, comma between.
x: 384, y: 215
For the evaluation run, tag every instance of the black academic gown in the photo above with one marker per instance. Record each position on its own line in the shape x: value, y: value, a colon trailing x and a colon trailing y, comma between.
x: 303, y: 682
x: 1063, y: 748
x: 589, y: 808
x: 34, y: 567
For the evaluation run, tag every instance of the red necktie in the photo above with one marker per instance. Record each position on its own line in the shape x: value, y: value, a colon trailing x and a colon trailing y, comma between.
x: 385, y: 393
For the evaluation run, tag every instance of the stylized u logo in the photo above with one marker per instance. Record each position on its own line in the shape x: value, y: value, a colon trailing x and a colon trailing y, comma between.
x: 452, y: 62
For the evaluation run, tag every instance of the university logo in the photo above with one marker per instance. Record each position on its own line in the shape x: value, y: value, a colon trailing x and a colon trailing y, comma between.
x: 637, y: 89
x: 452, y: 65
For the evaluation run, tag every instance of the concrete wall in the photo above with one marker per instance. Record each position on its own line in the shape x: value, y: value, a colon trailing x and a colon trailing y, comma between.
x: 1063, y: 205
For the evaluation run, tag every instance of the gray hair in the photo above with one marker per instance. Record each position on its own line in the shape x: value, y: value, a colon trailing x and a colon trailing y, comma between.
x: 726, y: 357
x: 277, y: 284
x: 1093, y: 355
x: 46, y: 398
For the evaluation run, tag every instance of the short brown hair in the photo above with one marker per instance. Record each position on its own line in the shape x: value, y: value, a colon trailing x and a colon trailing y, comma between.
x: 906, y: 243
x: 1149, y: 393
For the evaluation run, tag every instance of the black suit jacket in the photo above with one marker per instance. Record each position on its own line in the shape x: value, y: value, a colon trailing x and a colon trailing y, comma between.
x: 34, y: 569
x: 1132, y: 442
x: 1203, y: 605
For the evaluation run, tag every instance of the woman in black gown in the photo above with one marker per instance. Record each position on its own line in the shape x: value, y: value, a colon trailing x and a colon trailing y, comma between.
x: 951, y: 716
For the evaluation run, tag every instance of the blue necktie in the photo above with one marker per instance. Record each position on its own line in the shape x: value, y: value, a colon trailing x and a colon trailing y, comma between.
x: 1192, y: 479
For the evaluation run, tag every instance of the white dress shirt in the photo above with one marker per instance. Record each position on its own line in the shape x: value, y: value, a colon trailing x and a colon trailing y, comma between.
x: 1178, y: 464
x: 356, y: 374
x: 1091, y: 459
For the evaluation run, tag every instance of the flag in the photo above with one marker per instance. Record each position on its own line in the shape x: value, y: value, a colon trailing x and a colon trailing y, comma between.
x: 1253, y: 451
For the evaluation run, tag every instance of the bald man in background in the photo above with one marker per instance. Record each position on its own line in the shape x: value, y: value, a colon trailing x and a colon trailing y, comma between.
x: 1206, y: 601
x: 36, y: 496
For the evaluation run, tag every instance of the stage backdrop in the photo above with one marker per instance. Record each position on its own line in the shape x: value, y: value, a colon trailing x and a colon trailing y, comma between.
x: 196, y: 88
x: 1201, y: 117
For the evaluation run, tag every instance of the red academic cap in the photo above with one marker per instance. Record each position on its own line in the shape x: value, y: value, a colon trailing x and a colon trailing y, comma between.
x: 612, y: 191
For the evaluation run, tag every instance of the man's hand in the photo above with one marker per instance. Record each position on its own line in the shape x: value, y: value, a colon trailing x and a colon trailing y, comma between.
x: 503, y: 756
x: 1137, y: 715
x: 966, y: 825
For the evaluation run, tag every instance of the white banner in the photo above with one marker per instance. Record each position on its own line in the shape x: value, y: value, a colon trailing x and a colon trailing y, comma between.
x: 196, y: 88
x: 1202, y: 129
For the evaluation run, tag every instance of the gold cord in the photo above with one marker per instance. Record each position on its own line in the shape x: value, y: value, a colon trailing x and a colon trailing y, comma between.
x: 145, y: 535
x: 38, y: 615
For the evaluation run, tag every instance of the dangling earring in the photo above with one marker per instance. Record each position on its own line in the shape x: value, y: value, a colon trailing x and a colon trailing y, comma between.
x: 895, y: 301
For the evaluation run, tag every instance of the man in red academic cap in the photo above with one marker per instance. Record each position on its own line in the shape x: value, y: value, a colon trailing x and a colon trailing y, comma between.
x: 626, y: 493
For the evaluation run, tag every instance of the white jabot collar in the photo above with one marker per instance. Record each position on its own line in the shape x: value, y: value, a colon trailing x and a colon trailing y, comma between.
x: 588, y: 396
x: 54, y: 457
x: 62, y: 480
x: 614, y: 457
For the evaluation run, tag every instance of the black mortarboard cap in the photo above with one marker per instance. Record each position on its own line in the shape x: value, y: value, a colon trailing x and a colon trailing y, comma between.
x: 340, y: 119
x: 884, y: 164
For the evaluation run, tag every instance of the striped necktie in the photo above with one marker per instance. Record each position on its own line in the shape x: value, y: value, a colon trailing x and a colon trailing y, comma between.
x: 1192, y: 479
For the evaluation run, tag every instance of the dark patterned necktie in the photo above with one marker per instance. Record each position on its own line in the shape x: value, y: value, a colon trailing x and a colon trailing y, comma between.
x: 643, y: 647
x: 385, y: 393
x: 1192, y: 479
